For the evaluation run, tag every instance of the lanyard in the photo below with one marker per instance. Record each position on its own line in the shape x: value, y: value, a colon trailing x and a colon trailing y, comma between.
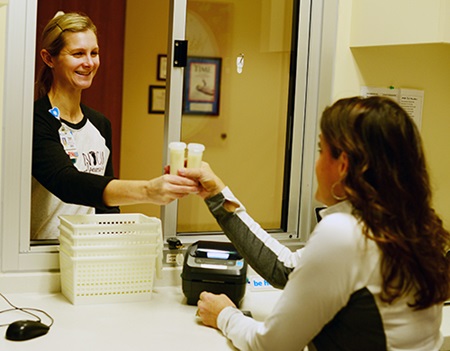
x: 66, y: 137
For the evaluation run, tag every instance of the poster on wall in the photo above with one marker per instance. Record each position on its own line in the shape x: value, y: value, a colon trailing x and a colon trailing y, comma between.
x: 201, y: 93
x: 411, y: 100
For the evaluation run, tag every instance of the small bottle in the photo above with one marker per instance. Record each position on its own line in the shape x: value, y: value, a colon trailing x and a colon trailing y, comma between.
x: 195, y: 154
x: 176, y: 156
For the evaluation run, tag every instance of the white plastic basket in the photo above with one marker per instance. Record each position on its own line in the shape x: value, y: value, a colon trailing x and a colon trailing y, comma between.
x: 109, y: 258
x: 107, y: 250
x: 87, y: 280
x: 110, y: 224
x: 108, y: 240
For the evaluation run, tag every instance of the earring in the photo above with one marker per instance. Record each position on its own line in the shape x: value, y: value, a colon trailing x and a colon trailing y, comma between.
x: 337, y: 198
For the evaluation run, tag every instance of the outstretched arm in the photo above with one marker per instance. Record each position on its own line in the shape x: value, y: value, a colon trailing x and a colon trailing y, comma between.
x: 159, y: 191
x: 268, y: 257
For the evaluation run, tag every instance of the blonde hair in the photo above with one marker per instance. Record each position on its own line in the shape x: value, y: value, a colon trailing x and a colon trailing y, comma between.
x: 53, y: 40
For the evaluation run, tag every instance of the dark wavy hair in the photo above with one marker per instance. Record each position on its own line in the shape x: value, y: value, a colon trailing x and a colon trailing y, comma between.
x: 389, y: 187
x: 53, y: 40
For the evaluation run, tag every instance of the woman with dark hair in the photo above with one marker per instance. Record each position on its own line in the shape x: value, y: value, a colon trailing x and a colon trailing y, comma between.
x: 374, y: 273
x: 72, y: 166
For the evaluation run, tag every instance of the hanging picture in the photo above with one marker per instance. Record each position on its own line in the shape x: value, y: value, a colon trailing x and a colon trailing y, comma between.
x: 202, y: 86
x: 156, y: 99
x: 162, y: 67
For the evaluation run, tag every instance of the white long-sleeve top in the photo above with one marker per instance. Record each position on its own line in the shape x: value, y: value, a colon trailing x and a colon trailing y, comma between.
x: 331, y: 297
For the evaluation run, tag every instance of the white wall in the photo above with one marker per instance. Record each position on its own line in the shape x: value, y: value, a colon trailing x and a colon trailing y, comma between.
x: 346, y: 78
x: 2, y: 65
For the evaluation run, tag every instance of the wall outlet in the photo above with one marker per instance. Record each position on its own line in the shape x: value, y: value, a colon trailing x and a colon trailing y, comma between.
x: 174, y: 258
x: 171, y: 258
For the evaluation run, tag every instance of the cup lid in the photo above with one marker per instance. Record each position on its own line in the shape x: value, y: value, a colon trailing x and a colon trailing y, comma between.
x: 177, y: 145
x: 196, y: 147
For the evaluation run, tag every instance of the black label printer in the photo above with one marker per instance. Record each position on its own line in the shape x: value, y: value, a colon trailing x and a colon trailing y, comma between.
x: 215, y: 267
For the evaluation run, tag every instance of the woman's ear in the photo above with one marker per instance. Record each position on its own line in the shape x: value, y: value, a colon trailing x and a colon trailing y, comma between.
x: 343, y: 164
x: 47, y: 58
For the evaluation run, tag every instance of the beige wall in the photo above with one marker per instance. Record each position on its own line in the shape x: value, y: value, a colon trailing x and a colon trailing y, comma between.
x: 415, y: 66
x: 142, y: 134
x: 424, y: 67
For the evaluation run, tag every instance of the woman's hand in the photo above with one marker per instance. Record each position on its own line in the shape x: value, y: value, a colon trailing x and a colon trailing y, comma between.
x: 210, y: 305
x: 209, y: 183
x: 159, y: 191
x: 166, y: 188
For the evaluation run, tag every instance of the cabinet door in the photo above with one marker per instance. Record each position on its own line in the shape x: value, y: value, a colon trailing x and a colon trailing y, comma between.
x: 385, y: 22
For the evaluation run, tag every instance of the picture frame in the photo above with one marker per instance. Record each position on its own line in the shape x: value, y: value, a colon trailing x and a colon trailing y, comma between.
x: 201, y: 91
x: 156, y: 99
x: 161, y: 72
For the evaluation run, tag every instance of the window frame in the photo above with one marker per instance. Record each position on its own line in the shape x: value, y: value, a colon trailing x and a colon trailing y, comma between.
x: 314, y: 69
x: 316, y: 37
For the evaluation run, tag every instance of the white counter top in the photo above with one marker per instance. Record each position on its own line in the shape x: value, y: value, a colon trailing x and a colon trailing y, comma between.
x: 163, y: 323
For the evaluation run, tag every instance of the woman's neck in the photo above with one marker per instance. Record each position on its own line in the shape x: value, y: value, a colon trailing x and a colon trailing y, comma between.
x: 68, y: 105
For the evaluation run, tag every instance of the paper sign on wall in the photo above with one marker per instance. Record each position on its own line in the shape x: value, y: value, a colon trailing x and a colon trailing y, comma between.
x: 410, y: 99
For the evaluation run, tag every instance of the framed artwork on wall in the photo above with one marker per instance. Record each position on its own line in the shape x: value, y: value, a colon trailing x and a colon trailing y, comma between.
x: 162, y: 67
x: 201, y: 92
x: 156, y: 99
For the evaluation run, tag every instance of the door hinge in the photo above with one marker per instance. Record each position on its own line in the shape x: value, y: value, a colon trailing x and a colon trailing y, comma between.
x: 180, y: 53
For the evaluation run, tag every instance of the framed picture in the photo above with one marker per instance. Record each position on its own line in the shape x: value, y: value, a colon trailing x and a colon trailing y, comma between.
x: 201, y: 93
x: 162, y: 67
x: 156, y: 99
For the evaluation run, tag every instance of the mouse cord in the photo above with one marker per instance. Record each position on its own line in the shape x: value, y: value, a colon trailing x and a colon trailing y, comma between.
x: 25, y: 310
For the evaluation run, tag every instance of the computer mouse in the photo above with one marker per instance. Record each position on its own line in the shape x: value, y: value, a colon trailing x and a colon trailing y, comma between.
x: 25, y: 330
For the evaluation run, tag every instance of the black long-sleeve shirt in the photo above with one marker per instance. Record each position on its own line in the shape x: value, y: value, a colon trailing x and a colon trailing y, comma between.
x: 62, y: 185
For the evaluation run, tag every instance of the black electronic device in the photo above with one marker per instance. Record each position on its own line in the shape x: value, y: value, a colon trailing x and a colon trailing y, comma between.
x: 25, y: 330
x: 215, y: 267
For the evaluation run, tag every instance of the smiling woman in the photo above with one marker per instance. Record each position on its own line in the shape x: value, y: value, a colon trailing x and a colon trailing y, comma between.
x: 71, y: 60
x: 70, y: 53
x: 72, y: 165
x: 105, y: 94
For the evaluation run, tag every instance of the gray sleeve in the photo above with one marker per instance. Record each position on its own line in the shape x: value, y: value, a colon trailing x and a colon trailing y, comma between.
x: 258, y: 248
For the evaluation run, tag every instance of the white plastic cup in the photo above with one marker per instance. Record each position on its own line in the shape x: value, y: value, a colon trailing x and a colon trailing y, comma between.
x: 176, y: 156
x: 195, y: 154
